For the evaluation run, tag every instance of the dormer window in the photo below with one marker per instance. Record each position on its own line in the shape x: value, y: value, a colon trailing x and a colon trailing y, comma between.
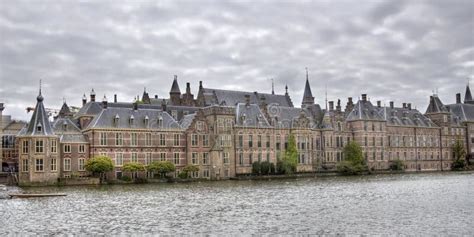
x: 132, y: 120
x: 116, y: 119
x: 146, y: 121
x: 160, y: 121
x: 64, y: 125
x: 39, y: 128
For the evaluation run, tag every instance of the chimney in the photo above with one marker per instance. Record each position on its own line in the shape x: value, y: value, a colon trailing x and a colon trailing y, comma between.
x: 115, y: 98
x: 458, y: 98
x: 200, y: 84
x: 379, y: 103
x: 364, y: 97
x: 247, y: 100
x: 338, y: 106
x: 188, y: 88
x: 409, y: 106
x: 104, y: 102
x: 156, y: 96
x: 331, y: 105
x: 135, y: 105
x: 391, y: 104
x: 84, y: 100
x: 1, y: 107
x: 163, y: 105
x: 404, y: 105
x: 92, y: 95
x: 349, y: 100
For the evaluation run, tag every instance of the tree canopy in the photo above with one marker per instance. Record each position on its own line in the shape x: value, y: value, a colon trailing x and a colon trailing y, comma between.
x: 161, y: 167
x: 289, y: 161
x: 133, y: 167
x: 354, y: 162
x: 99, y: 165
x: 459, y: 155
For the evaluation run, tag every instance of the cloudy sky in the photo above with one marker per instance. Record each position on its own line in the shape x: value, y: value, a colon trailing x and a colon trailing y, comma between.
x: 391, y: 50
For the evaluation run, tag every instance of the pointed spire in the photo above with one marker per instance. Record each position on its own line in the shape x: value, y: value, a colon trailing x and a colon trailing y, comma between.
x: 39, y: 123
x: 467, y: 96
x: 286, y: 89
x: 175, y: 86
x: 308, y: 98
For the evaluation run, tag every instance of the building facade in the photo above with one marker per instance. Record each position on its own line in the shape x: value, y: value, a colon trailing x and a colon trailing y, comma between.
x: 223, y: 132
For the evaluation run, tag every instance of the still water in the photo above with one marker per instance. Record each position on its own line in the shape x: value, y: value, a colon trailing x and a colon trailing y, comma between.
x: 413, y: 204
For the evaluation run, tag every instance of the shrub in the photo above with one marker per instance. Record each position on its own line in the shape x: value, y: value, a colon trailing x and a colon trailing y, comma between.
x: 126, y: 178
x: 161, y: 167
x: 353, y: 160
x: 397, y: 165
x: 256, y: 168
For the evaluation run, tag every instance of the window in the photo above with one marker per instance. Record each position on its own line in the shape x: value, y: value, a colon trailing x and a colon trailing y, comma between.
x: 25, y: 147
x: 259, y: 141
x: 225, y: 157
x: 278, y: 142
x: 103, y: 138
x: 118, y: 139
x: 194, y: 140
x: 250, y: 158
x: 67, y: 164
x: 250, y: 141
x: 241, y: 141
x: 241, y: 158
x: 205, y: 158
x: 162, y: 139
x: 39, y: 165
x: 67, y: 148
x: 53, y: 165
x: 118, y: 159
x: 148, y: 158
x: 205, y: 173
x: 176, y: 139
x: 194, y: 158
x: 82, y: 148
x: 39, y: 148
x: 162, y: 156
x: 81, y: 164
x: 134, y: 139
x: 134, y: 157
x: 268, y: 141
x: 205, y: 140
x: 24, y: 165
x: 176, y: 158
x: 54, y: 146
x: 147, y: 139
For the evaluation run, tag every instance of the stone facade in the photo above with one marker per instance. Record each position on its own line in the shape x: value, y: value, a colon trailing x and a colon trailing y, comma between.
x: 224, y: 132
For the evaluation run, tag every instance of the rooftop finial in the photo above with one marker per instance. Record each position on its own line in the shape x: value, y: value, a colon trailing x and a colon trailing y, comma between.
x: 40, y: 97
x: 144, y: 89
x: 326, y: 92
x: 40, y: 88
x: 286, y: 88
x: 273, y: 87
x: 306, y: 73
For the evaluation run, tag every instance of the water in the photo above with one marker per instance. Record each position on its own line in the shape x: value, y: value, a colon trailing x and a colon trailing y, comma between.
x: 408, y: 204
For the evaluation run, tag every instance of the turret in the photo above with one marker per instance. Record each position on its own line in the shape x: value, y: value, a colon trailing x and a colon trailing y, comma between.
x: 92, y: 95
x: 175, y: 93
x: 468, y: 96
x: 308, y: 98
x: 84, y: 100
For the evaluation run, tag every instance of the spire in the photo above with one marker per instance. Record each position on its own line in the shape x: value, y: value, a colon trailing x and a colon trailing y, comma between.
x: 39, y: 123
x: 65, y: 111
x: 286, y: 89
x: 467, y: 96
x: 308, y: 98
x: 175, y: 86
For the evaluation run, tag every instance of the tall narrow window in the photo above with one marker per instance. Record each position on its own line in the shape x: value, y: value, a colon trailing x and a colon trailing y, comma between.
x: 24, y: 165
x: 39, y: 148
x: 205, y: 158
x: 81, y: 164
x: 225, y: 157
x: 205, y: 140
x: 176, y: 138
x: 67, y: 148
x: 194, y: 140
x: 54, y: 166
x: 82, y: 148
x: 103, y: 138
x: 250, y: 141
x: 25, y: 146
x: 118, y: 159
x: 148, y: 158
x: 134, y: 139
x: 39, y: 165
x: 134, y: 157
x: 67, y: 164
x: 176, y: 158
x: 118, y: 139
x: 194, y: 158
x: 162, y: 139
x: 148, y: 139
x: 54, y: 146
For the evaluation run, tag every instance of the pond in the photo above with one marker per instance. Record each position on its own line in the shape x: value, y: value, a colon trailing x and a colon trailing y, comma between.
x: 407, y: 204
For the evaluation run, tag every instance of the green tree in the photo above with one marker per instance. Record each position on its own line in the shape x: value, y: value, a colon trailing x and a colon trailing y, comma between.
x: 133, y: 167
x: 99, y: 165
x: 256, y: 167
x: 353, y: 160
x: 161, y: 167
x: 290, y: 158
x: 459, y: 155
x: 266, y: 168
x: 397, y: 165
x: 187, y: 170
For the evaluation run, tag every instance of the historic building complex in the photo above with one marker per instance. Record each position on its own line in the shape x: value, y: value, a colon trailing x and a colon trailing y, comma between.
x: 223, y: 132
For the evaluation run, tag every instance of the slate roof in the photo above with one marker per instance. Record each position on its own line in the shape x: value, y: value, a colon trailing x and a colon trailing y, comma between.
x: 89, y: 109
x: 250, y: 116
x: 404, y: 117
x: 232, y: 98
x: 364, y: 110
x: 118, y: 117
x: 39, y: 124
x: 467, y: 96
x: 175, y: 86
x: 465, y: 112
x: 436, y: 106
x: 68, y: 131
x: 64, y: 111
x: 285, y: 117
x: 187, y: 120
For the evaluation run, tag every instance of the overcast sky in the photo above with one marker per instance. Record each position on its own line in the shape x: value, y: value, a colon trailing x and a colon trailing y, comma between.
x: 391, y: 50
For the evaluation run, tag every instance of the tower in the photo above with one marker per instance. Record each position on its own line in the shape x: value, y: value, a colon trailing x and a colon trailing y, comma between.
x: 38, y: 159
x: 468, y: 96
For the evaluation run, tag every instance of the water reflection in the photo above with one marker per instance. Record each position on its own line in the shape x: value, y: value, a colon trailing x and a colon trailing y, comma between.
x: 433, y: 204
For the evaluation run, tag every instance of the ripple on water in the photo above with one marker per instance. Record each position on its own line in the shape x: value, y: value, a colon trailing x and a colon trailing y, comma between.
x: 431, y: 204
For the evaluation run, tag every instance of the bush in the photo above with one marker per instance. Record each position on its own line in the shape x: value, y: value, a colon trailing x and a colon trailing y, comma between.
x: 256, y: 168
x: 133, y: 167
x: 459, y: 155
x: 397, y: 165
x: 348, y: 168
x: 126, y: 178
x: 187, y: 170
x: 161, y: 167
x: 99, y: 165
x: 266, y: 168
x: 183, y: 175
x: 353, y: 160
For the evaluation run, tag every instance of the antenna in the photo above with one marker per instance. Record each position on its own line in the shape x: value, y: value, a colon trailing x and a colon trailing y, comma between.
x: 306, y: 73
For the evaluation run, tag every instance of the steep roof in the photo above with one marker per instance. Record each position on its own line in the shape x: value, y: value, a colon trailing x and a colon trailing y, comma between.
x: 232, y: 98
x: 404, y: 117
x: 364, y: 110
x: 89, y: 109
x: 65, y: 111
x: 68, y: 131
x: 39, y: 124
x: 467, y: 96
x: 250, y: 116
x: 175, y: 86
x: 436, y: 106
x: 465, y: 112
